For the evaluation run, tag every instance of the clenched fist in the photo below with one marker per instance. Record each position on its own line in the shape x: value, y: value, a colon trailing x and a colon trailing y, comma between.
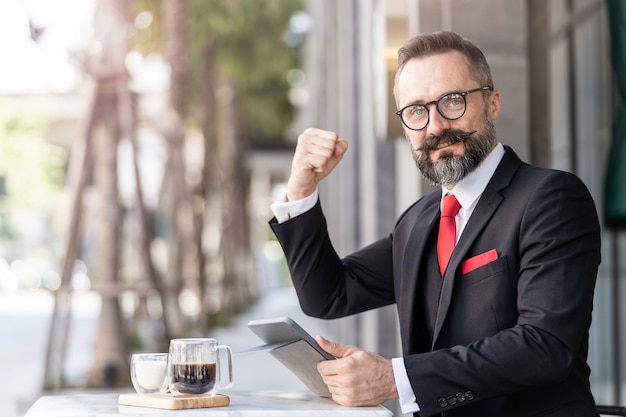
x: 317, y: 153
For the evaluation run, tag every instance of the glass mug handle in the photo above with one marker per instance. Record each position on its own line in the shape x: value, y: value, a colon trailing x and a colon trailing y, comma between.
x: 229, y: 355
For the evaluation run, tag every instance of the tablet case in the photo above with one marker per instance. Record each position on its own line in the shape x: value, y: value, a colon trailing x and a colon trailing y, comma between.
x: 299, y: 356
x: 301, y: 359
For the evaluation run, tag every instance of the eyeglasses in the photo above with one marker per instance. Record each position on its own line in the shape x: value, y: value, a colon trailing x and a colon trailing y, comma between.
x: 451, y: 106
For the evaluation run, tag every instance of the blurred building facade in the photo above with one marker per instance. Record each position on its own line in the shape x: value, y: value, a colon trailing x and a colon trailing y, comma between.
x: 551, y: 62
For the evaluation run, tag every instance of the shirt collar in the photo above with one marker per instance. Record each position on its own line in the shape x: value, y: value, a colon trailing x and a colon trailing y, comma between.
x: 470, y: 188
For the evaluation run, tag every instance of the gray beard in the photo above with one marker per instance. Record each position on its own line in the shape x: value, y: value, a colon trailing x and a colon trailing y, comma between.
x: 450, y: 168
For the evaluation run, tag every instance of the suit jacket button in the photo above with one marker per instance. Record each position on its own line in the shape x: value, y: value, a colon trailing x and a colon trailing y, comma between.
x: 451, y: 400
x: 460, y: 397
x: 442, y: 402
x: 469, y: 395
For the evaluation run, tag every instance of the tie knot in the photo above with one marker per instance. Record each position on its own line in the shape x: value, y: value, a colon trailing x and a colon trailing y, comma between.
x: 450, y: 206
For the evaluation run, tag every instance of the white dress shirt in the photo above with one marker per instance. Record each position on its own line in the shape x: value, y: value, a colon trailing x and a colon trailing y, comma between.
x: 467, y: 192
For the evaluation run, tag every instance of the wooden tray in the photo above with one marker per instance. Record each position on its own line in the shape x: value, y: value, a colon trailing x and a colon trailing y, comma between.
x: 171, y: 402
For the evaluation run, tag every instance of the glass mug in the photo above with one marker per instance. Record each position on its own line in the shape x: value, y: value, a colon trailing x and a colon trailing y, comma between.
x: 147, y: 372
x: 195, y: 366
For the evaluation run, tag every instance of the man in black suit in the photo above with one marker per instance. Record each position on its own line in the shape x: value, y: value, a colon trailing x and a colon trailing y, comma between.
x: 500, y: 328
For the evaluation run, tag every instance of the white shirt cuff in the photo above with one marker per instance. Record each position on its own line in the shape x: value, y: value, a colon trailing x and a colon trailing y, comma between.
x: 284, y: 210
x: 408, y: 404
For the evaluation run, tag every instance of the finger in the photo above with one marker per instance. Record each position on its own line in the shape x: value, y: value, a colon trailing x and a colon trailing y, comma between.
x: 323, y: 142
x: 340, y: 149
x: 321, y: 139
x: 343, y: 394
x: 315, y: 148
x: 327, y: 345
x: 336, y: 349
x: 316, y: 155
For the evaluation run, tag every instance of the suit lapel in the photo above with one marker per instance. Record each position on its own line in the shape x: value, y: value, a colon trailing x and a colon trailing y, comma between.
x: 484, y: 211
x: 413, y: 256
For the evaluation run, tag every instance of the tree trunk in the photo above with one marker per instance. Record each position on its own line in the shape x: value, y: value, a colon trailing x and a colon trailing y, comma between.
x: 175, y: 188
x: 110, y: 365
x: 234, y: 247
x: 208, y: 191
x: 78, y: 174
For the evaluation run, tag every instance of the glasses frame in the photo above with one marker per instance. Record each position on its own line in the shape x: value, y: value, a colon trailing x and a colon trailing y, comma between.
x: 436, y: 103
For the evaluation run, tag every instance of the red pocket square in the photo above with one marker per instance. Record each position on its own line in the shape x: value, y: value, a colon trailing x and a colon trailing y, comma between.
x: 477, y: 261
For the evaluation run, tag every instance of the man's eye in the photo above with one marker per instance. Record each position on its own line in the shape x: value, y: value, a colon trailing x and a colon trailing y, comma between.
x: 417, y: 111
x: 453, y: 100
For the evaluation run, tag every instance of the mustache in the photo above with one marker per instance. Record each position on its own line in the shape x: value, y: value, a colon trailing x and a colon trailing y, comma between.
x: 447, y: 138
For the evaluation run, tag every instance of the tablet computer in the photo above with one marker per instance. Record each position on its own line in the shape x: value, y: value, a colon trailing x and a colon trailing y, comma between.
x: 284, y: 330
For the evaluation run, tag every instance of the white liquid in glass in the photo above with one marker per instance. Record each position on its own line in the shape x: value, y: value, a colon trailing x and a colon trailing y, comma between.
x: 150, y: 374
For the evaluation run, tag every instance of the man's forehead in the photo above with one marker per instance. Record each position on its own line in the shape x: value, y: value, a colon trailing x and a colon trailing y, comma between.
x: 430, y: 76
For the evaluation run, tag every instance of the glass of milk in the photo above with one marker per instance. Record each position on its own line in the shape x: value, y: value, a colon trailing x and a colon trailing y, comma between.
x: 148, y: 372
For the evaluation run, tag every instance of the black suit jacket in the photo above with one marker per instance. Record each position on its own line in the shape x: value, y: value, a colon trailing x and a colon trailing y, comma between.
x: 511, y: 336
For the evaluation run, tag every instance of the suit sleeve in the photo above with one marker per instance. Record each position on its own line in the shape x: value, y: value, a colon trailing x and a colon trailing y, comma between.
x: 328, y: 286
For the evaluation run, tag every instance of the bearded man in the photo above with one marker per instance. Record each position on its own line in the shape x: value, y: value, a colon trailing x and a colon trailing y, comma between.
x: 493, y: 274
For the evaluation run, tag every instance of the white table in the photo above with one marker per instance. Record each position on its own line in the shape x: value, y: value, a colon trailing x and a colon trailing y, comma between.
x: 242, y: 404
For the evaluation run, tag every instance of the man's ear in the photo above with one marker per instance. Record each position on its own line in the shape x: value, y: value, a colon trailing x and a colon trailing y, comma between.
x: 494, y: 104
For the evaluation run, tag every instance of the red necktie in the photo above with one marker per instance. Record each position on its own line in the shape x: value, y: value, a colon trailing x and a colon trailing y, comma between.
x: 447, y: 231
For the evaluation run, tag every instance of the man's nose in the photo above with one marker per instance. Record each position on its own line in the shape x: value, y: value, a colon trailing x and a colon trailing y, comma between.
x: 437, y: 123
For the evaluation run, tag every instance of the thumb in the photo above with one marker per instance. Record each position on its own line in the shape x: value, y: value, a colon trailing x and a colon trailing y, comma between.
x: 336, y: 349
x: 341, y: 147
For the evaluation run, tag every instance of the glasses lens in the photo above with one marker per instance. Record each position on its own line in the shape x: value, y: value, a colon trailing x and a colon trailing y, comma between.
x: 451, y: 106
x: 415, y: 117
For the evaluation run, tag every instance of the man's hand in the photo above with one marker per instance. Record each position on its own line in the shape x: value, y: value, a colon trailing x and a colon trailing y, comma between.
x: 318, y: 152
x: 356, y: 378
